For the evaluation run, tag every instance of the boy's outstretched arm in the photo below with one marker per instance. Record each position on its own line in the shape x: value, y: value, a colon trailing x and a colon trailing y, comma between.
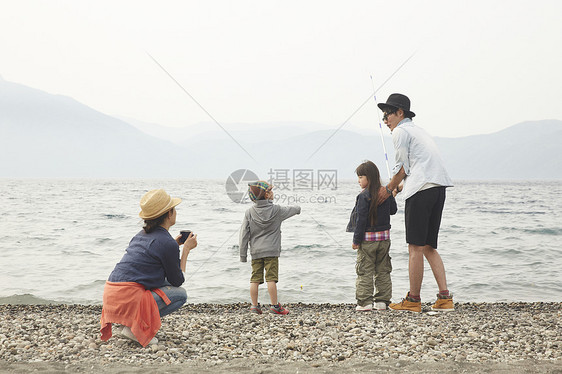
x: 244, y: 239
x: 289, y: 211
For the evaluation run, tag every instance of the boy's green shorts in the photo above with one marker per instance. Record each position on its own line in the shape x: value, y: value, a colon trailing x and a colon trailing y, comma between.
x: 271, y: 266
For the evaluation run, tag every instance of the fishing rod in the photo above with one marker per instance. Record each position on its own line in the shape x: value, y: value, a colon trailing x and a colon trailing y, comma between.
x: 380, y: 129
x: 359, y: 108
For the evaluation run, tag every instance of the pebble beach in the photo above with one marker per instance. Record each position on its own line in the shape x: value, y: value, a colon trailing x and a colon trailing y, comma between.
x: 328, y: 338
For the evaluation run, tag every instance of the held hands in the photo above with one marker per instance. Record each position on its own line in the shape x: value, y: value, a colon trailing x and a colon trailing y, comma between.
x: 397, y: 190
x: 384, y: 194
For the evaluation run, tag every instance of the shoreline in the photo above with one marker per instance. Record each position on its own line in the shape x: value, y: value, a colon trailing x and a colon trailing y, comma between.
x: 476, y: 337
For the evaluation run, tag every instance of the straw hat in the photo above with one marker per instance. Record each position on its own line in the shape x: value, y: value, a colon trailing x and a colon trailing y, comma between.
x: 154, y: 203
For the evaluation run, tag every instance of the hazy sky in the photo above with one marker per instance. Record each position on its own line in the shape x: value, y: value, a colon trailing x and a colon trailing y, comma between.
x: 478, y: 66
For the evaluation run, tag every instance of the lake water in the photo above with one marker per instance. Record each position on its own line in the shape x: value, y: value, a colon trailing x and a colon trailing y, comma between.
x: 60, y: 239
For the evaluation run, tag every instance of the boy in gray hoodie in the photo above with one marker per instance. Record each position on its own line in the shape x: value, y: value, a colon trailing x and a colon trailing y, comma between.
x: 261, y: 228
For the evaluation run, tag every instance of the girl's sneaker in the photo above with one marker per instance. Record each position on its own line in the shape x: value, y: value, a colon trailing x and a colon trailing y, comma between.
x: 278, y: 309
x: 364, y: 308
x: 256, y: 309
x: 380, y: 305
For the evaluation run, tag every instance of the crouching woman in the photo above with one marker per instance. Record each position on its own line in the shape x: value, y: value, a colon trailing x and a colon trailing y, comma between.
x: 145, y: 284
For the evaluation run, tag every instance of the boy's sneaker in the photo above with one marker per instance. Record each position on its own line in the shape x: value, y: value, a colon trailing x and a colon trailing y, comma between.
x: 380, y: 305
x: 256, y: 309
x: 365, y: 308
x: 278, y: 309
x: 444, y: 303
x: 407, y: 304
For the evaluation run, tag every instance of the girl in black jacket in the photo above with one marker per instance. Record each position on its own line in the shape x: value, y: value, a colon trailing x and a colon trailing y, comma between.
x: 370, y: 224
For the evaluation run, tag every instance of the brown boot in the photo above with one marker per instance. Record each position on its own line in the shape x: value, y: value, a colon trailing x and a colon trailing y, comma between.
x: 408, y: 304
x: 444, y: 303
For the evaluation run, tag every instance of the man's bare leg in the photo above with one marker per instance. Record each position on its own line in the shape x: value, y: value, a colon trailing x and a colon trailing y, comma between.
x: 437, y: 267
x: 415, y: 268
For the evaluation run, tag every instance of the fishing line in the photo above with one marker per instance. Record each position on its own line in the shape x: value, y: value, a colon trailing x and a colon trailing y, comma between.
x: 211, y: 256
x: 201, y: 106
x: 380, y: 128
x: 231, y: 235
x: 326, y: 232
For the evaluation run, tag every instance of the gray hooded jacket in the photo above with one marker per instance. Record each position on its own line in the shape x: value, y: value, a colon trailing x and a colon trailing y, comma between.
x: 261, y: 228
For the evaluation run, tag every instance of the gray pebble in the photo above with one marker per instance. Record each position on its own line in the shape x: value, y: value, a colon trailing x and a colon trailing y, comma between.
x: 210, y: 334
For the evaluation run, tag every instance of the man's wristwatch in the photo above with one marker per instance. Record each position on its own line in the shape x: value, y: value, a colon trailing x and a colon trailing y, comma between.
x: 388, y: 190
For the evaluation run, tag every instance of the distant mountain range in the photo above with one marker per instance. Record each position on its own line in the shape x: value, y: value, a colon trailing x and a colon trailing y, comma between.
x: 44, y: 135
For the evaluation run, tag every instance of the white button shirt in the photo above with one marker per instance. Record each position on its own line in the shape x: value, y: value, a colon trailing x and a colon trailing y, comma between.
x: 416, y: 151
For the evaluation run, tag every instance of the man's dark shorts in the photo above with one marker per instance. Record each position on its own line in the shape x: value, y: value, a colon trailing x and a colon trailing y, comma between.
x: 423, y: 216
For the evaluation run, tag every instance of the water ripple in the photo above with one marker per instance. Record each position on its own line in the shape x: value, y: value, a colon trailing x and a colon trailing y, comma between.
x: 496, y: 244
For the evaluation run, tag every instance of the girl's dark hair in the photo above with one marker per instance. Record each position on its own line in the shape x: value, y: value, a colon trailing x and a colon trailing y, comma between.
x: 370, y: 170
x: 151, y: 224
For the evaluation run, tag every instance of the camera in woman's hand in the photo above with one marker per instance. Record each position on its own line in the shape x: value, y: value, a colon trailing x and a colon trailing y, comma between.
x: 184, y: 235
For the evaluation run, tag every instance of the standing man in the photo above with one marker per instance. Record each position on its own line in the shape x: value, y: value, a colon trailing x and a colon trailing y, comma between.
x: 420, y: 166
